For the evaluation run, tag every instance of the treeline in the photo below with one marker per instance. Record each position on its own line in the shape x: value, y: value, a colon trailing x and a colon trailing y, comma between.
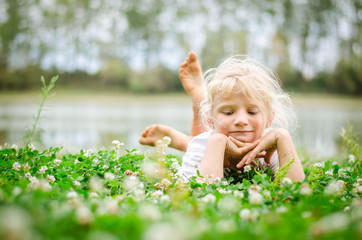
x: 345, y: 79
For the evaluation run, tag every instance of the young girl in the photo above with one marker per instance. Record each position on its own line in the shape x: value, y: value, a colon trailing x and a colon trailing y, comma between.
x: 243, y: 100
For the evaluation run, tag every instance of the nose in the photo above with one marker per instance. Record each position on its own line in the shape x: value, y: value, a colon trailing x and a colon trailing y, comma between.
x: 241, y: 118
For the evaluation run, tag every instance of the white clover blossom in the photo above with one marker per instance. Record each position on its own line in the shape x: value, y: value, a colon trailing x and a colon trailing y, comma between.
x: 238, y: 194
x: 109, y: 176
x: 225, y: 225
x: 248, y: 215
x: 318, y: 165
x: 175, y: 166
x: 76, y: 183
x: 334, y: 188
x: 43, y: 169
x: 287, y: 181
x: 209, y: 198
x: 16, y: 166
x: 255, y: 198
x: 88, y: 153
x: 26, y: 167
x: 305, y: 189
x: 166, y: 140
x: 351, y: 159
x: 95, y: 161
x: 72, y: 194
x: 84, y: 215
x: 247, y: 168
x: 156, y: 194
x: 228, y: 204
x: 329, y: 173
x: 57, y: 162
x: 341, y: 172
x: 50, y: 178
x: 165, y: 183
x: 14, y: 146
x: 281, y: 209
x: 31, y: 147
x: 149, y: 212
x: 117, y: 144
x: 76, y: 161
x: 223, y: 191
x: 41, y: 184
x: 27, y: 175
x: 105, y: 166
x: 132, y: 184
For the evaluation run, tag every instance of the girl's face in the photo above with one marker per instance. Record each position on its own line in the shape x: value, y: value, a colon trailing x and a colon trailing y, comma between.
x: 237, y: 116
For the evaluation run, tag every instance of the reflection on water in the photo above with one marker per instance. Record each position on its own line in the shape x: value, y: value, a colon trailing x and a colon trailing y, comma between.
x: 93, y: 126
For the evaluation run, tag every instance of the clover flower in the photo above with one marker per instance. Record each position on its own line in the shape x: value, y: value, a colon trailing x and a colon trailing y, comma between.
x: 351, y: 159
x: 96, y: 185
x: 287, y: 181
x: 247, y: 168
x: 57, y: 162
x: 149, y: 212
x: 95, y: 161
x: 305, y: 189
x: 255, y: 198
x: 329, y: 173
x: 27, y: 175
x: 128, y: 172
x: 228, y: 204
x: 26, y: 167
x: 105, y: 166
x: 41, y: 184
x: 117, y: 144
x: 31, y: 147
x: 16, y: 166
x: 88, y: 153
x: 248, y: 215
x: 43, y: 169
x: 341, y: 172
x: 156, y: 194
x: 334, y: 188
x: 209, y: 198
x: 238, y: 194
x: 50, y: 178
x: 165, y: 183
x: 318, y: 165
x: 175, y: 166
x: 14, y: 146
x: 225, y: 225
x: 76, y: 183
x: 132, y: 184
x: 84, y: 216
x: 109, y: 176
x: 76, y: 161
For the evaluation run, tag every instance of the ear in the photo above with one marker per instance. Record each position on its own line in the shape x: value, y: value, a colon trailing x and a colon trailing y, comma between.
x: 270, y: 120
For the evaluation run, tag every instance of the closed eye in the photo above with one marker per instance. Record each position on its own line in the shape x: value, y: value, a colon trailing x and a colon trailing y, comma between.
x: 228, y: 113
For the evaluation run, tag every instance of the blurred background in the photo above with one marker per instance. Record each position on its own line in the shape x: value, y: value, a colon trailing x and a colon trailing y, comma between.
x: 117, y: 63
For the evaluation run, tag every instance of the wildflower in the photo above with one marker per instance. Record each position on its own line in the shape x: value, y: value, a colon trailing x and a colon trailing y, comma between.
x: 128, y: 172
x: 255, y: 188
x: 281, y: 209
x: 149, y: 212
x: 228, y: 204
x: 27, y: 175
x: 255, y: 198
x: 50, y: 178
x: 39, y: 184
x: 93, y: 195
x: 318, y: 165
x: 351, y: 159
x: 335, y: 187
x: 117, y: 144
x: 31, y: 147
x: 109, y: 176
x: 166, y: 140
x: 132, y: 184
x: 57, y: 162
x: 156, y: 194
x: 238, y: 194
x: 165, y: 183
x: 357, y: 189
x: 84, y: 215
x: 267, y: 193
x: 137, y: 174
x: 43, y: 169
x: 305, y: 190
x: 341, y: 172
x: 16, y: 166
x: 175, y: 166
x: 150, y: 169
x: 96, y: 185
x: 112, y: 206
x: 287, y: 181
x: 223, y: 191
x: 76, y: 183
x: 209, y: 198
x: 306, y: 214
x: 76, y: 161
x: 14, y: 146
x: 248, y: 215
x: 26, y: 167
x: 162, y: 231
x: 226, y: 225
x: 329, y: 173
x: 247, y: 168
x: 105, y: 166
x: 72, y: 194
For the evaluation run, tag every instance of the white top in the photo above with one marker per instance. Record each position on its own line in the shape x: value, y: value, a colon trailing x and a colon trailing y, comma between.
x: 195, y: 152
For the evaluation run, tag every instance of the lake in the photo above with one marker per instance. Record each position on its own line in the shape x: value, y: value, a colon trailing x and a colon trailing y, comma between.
x: 92, y: 122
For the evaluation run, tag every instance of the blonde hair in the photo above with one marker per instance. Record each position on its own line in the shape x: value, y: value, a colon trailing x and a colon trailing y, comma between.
x: 253, y: 80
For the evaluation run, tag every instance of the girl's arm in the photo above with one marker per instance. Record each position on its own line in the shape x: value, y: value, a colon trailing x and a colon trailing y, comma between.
x: 278, y: 139
x: 220, y: 152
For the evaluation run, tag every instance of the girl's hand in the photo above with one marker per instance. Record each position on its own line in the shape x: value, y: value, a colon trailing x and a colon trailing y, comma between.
x: 236, y: 150
x: 267, y: 143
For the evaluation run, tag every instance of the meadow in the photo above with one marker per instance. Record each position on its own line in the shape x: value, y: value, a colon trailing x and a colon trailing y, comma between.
x: 120, y: 193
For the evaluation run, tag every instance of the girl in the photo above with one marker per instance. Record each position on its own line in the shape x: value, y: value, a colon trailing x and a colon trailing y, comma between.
x: 243, y: 100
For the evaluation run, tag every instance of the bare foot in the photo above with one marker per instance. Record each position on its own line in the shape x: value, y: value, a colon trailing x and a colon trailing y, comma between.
x: 190, y: 73
x: 156, y: 132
